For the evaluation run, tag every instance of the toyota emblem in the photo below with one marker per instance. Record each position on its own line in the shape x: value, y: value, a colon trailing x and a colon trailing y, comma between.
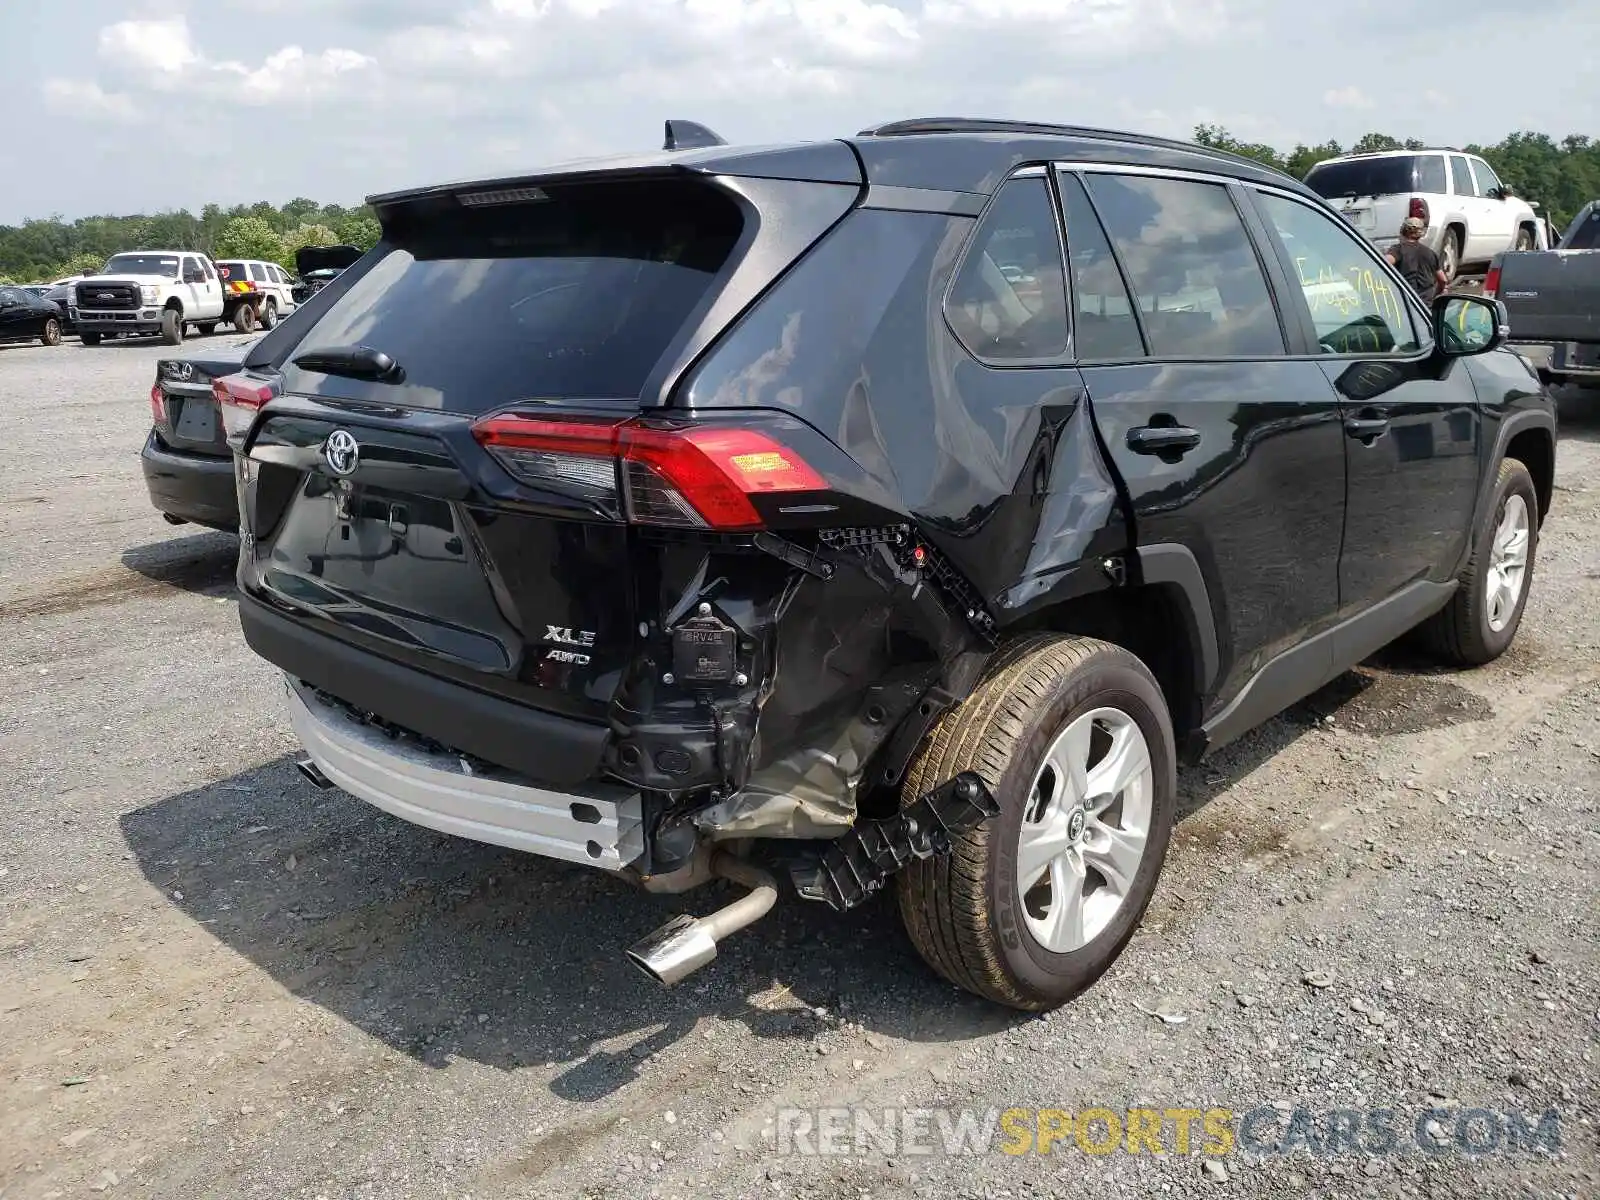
x: 342, y: 452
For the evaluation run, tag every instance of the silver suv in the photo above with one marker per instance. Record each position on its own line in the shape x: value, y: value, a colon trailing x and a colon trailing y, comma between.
x: 1471, y: 216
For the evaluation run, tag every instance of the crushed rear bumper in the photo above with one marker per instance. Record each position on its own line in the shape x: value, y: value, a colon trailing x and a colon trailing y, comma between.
x: 598, y: 825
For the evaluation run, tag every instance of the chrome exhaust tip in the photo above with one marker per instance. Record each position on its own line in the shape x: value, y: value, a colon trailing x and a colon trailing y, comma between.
x: 685, y: 944
x: 313, y: 773
x: 675, y: 951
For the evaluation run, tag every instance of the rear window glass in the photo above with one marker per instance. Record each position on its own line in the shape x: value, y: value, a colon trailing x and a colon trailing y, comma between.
x: 1587, y: 235
x: 232, y: 270
x: 573, y: 296
x: 1372, y: 176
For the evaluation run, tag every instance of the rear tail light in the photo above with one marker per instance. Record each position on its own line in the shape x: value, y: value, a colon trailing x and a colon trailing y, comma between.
x: 1419, y: 209
x: 239, y: 398
x: 1491, y: 282
x: 158, y: 404
x: 696, y: 477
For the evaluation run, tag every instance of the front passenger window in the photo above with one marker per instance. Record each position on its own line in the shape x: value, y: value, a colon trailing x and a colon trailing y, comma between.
x: 1009, y: 299
x: 1355, y: 306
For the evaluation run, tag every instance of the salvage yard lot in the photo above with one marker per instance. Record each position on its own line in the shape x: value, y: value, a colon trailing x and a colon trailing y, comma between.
x: 217, y: 981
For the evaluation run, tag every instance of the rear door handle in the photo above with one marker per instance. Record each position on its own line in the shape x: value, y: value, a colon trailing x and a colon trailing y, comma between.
x: 1366, y: 429
x: 1163, y: 439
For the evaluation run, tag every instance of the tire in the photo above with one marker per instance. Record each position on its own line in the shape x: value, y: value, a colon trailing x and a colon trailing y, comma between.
x: 51, y: 336
x: 244, y: 318
x: 172, y: 327
x: 1450, y: 254
x: 966, y: 912
x: 89, y: 339
x: 269, y: 314
x: 1472, y: 629
x: 1525, y: 239
x: 206, y: 328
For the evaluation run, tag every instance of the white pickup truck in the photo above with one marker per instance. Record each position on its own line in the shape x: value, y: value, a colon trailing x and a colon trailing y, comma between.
x: 148, y: 291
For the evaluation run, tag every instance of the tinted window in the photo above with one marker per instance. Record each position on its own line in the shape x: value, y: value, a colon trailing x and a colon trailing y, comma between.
x: 577, y: 295
x: 1462, y: 176
x: 232, y: 271
x: 1487, y: 179
x: 1377, y: 176
x: 205, y: 264
x: 1189, y: 261
x: 1009, y: 299
x: 1430, y: 174
x: 1356, y: 307
x: 1102, y: 319
x: 258, y: 272
x: 192, y: 272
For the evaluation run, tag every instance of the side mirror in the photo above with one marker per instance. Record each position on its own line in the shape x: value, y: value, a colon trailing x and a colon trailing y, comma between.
x: 1468, y: 325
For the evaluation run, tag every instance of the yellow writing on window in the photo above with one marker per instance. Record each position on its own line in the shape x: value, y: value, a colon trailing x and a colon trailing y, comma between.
x: 1364, y: 288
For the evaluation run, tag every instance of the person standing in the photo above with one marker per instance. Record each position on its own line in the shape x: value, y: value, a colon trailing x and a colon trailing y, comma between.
x: 1417, y: 264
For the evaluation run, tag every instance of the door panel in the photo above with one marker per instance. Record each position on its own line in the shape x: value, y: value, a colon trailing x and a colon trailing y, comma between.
x: 1413, y: 478
x: 1259, y: 499
x: 1496, y: 226
x: 1410, y: 438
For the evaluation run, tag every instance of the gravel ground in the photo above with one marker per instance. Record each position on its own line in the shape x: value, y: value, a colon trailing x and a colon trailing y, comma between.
x: 217, y: 981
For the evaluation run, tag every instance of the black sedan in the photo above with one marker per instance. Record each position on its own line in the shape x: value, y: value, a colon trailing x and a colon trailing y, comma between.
x: 188, y: 467
x: 25, y: 317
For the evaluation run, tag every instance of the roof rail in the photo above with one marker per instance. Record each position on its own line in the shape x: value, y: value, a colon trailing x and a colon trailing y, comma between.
x: 919, y: 125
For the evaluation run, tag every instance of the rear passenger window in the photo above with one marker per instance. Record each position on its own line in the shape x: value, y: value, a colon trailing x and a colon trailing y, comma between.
x: 258, y: 272
x: 1008, y: 301
x: 1102, y: 318
x: 1462, y: 174
x: 1430, y: 174
x: 1193, y: 271
x: 1355, y: 306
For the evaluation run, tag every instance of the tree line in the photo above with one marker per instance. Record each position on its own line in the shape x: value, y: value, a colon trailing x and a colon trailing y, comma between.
x: 40, y: 251
x: 1562, y: 176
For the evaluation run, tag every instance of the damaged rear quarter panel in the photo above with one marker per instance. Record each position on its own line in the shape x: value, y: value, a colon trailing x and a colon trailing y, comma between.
x: 996, y: 469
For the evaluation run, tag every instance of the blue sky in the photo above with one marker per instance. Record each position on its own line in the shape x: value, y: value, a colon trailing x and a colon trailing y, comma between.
x: 141, y: 105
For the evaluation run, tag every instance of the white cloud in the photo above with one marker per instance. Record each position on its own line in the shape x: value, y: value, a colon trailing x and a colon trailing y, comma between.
x: 371, y: 94
x: 1347, y: 97
x: 79, y: 97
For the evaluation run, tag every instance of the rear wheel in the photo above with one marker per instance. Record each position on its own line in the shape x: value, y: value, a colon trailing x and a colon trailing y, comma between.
x: 51, y: 334
x: 1483, y: 616
x: 1073, y: 737
x: 244, y: 318
x: 1450, y: 254
x: 172, y: 327
x: 269, y: 313
x: 89, y: 339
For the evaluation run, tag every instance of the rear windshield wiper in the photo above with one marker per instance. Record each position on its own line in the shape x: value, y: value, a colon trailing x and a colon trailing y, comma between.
x: 354, y: 362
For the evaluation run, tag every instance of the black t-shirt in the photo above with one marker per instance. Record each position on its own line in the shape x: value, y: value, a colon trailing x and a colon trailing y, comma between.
x: 1418, y: 266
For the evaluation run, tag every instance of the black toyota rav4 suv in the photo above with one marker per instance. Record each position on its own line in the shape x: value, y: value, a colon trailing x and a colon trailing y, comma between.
x: 896, y: 510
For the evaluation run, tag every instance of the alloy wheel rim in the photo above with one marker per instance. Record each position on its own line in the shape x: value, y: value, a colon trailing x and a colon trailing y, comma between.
x: 1085, y: 829
x: 1508, y: 563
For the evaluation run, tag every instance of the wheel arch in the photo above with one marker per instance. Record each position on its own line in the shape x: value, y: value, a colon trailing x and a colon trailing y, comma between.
x: 1163, y: 616
x: 1535, y: 448
x: 173, y: 304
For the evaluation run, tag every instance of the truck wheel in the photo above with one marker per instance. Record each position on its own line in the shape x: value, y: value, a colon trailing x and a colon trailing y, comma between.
x: 244, y: 318
x: 1482, y: 618
x: 269, y: 314
x: 206, y: 328
x: 89, y: 339
x: 172, y: 327
x: 1450, y: 254
x: 1073, y: 737
x: 51, y: 336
